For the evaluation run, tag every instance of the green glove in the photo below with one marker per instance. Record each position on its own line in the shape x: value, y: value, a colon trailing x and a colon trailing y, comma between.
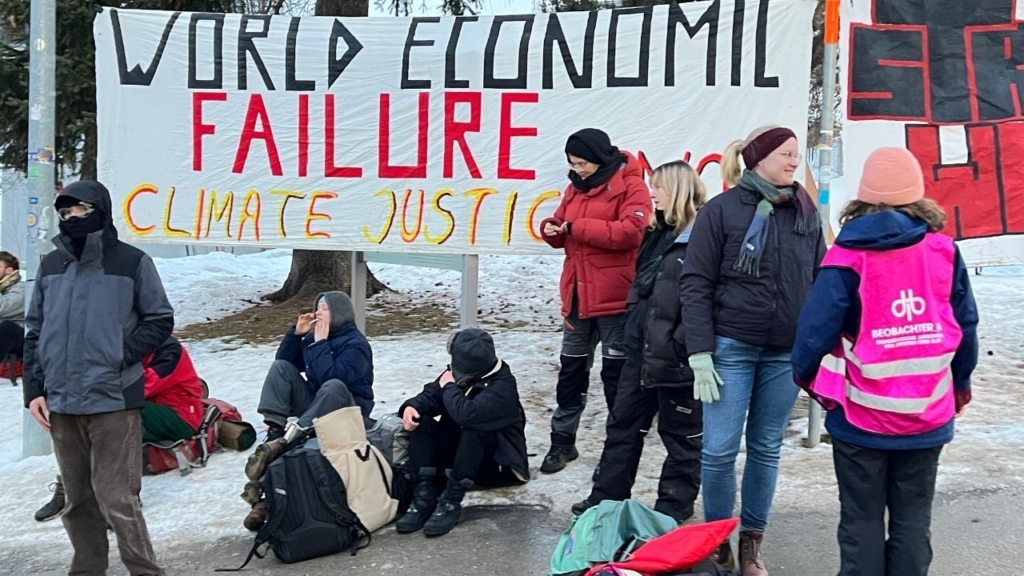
x: 705, y: 380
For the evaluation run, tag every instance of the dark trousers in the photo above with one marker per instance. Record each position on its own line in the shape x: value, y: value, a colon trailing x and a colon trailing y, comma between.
x: 286, y: 393
x: 579, y: 342
x: 872, y: 482
x: 469, y: 454
x: 161, y: 423
x: 680, y: 426
x: 100, y: 459
x: 12, y: 339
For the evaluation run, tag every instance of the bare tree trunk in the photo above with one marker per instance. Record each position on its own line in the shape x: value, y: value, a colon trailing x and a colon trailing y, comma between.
x: 315, y: 271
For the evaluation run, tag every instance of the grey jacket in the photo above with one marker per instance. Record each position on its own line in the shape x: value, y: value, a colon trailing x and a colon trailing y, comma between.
x: 93, y: 319
x: 12, y: 304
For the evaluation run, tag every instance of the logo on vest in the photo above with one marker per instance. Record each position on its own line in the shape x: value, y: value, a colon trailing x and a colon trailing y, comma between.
x: 907, y: 305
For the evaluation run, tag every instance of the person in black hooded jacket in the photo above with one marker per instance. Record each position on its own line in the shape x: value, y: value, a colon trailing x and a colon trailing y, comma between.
x: 656, y: 378
x: 478, y: 440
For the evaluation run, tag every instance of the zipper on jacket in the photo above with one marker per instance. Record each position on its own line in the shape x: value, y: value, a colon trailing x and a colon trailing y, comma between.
x: 778, y: 268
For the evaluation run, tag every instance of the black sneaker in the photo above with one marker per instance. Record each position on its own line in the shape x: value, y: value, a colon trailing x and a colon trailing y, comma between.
x: 581, y: 507
x: 55, y: 507
x: 558, y: 456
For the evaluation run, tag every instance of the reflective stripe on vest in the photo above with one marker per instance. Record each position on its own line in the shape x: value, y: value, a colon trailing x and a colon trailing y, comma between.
x: 879, y: 370
x: 910, y: 367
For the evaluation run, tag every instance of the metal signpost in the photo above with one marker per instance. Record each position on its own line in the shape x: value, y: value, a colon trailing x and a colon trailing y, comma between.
x: 41, y: 174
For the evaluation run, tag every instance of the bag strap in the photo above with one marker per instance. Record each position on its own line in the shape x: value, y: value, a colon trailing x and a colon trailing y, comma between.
x: 184, y: 466
x: 210, y: 416
x: 343, y: 517
x: 383, y: 474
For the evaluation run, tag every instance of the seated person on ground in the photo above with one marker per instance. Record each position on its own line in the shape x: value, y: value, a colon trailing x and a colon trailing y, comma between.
x: 338, y: 367
x: 12, y: 308
x: 479, y: 439
x: 173, y: 409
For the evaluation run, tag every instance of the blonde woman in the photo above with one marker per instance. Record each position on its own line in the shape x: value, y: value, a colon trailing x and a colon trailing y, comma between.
x: 753, y: 255
x: 656, y: 378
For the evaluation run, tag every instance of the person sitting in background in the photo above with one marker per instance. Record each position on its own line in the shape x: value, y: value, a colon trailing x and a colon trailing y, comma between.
x: 173, y: 409
x: 12, y: 308
x: 479, y: 440
x: 337, y: 363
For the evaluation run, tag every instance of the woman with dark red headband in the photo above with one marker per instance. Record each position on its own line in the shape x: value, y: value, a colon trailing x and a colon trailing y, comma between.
x: 752, y: 257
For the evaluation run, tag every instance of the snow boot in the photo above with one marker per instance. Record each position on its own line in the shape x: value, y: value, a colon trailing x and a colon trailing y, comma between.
x: 751, y: 563
x: 257, y: 517
x: 252, y: 493
x: 557, y: 457
x: 723, y: 556
x: 580, y: 507
x: 449, y: 508
x: 424, y: 501
x: 55, y: 507
x: 562, y: 451
x: 262, y: 457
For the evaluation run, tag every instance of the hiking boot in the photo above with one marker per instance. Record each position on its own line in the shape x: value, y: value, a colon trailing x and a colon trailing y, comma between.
x: 252, y: 493
x: 262, y: 457
x: 581, y: 507
x: 424, y: 502
x: 449, y: 509
x: 257, y: 517
x: 558, y: 456
x: 55, y: 507
x: 751, y: 563
x: 723, y: 556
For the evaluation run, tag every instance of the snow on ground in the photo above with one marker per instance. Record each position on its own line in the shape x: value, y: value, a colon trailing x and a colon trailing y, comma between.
x: 517, y: 294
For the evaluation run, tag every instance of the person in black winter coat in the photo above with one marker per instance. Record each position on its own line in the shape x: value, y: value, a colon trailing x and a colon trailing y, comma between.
x: 478, y: 440
x: 753, y: 255
x: 656, y: 378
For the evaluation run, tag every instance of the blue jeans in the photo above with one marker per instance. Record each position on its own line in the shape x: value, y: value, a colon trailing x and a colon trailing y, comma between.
x: 758, y: 391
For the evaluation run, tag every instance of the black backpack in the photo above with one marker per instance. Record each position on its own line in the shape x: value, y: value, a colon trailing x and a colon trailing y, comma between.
x: 307, y: 510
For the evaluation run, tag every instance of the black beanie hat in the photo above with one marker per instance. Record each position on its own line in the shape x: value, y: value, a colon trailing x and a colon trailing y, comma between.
x: 472, y: 352
x: 594, y: 146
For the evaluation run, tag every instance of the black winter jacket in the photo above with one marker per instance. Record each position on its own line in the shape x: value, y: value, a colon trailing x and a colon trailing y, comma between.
x: 665, y: 359
x: 490, y: 404
x: 720, y: 301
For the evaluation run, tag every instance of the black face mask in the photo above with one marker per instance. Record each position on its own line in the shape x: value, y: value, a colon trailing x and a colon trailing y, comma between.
x: 78, y: 228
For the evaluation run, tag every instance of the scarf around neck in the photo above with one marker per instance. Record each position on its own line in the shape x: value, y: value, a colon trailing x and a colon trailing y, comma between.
x: 807, y: 222
x: 10, y: 280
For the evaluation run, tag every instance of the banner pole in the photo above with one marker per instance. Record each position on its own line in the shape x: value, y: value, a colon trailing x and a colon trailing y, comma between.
x: 828, y: 100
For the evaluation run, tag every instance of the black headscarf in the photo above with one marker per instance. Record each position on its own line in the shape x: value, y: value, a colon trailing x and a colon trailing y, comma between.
x: 594, y: 146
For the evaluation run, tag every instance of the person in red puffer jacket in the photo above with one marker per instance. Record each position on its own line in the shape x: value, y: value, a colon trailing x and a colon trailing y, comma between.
x: 173, y: 409
x: 599, y: 223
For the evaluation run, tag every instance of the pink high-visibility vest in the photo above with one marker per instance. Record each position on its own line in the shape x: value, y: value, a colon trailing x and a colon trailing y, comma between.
x: 895, y: 379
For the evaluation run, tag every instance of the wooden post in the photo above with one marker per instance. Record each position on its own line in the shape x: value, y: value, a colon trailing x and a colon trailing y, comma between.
x: 359, y: 276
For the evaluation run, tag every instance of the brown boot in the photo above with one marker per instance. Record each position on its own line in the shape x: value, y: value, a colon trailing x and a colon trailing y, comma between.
x: 751, y: 563
x: 723, y: 556
x: 262, y: 457
x: 257, y: 517
x: 252, y: 493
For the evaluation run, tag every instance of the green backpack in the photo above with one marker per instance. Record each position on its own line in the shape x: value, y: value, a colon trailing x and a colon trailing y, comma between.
x: 605, y: 533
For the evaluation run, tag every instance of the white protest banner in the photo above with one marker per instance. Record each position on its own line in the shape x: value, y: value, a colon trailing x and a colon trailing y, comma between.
x: 419, y: 134
x: 944, y: 82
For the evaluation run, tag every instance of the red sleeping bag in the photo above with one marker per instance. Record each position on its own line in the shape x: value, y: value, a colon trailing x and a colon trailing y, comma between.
x: 680, y: 549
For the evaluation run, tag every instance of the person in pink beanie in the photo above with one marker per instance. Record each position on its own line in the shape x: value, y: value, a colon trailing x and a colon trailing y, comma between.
x: 887, y: 343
